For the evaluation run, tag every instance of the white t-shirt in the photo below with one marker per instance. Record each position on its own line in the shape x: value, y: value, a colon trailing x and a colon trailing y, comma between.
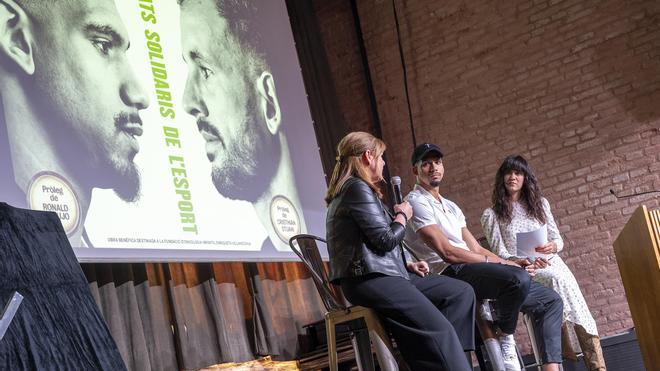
x: 427, y: 210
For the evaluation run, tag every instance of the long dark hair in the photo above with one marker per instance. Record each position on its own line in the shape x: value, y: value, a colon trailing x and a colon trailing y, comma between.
x: 531, y: 197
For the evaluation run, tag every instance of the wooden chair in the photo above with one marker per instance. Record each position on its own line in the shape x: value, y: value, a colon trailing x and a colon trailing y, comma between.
x: 306, y: 247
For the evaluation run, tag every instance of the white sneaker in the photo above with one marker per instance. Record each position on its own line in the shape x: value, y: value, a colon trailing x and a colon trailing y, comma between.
x: 509, y: 354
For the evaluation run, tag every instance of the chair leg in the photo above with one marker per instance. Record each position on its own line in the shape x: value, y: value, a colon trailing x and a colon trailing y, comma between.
x: 382, y: 344
x: 490, y: 342
x: 384, y: 354
x: 529, y: 324
x: 332, y: 345
x: 362, y: 348
x: 522, y: 361
x: 373, y: 324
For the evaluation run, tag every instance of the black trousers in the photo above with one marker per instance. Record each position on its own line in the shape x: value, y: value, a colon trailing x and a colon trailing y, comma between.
x: 509, y: 285
x: 431, y: 318
x: 516, y: 292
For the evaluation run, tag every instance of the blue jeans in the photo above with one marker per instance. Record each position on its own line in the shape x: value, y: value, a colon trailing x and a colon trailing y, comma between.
x: 516, y: 292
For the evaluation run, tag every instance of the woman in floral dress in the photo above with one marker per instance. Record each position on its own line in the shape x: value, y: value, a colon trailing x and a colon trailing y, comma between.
x: 518, y: 206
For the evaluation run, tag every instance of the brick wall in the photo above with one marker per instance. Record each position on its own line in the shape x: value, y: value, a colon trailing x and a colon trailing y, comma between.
x: 574, y: 86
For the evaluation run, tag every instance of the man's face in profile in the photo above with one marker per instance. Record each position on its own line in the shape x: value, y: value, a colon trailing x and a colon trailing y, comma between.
x: 88, y: 91
x: 221, y: 94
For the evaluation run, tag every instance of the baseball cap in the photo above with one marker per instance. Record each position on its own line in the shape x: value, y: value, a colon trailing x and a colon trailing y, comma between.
x: 424, y: 149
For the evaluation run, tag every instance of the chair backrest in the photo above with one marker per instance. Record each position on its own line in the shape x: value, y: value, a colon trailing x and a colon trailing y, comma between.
x: 306, y: 247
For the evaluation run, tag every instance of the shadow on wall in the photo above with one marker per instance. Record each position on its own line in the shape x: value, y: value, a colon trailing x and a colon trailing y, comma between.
x: 627, y: 63
x: 628, y: 60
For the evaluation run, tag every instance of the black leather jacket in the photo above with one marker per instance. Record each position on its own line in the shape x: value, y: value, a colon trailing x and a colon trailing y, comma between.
x: 361, y: 236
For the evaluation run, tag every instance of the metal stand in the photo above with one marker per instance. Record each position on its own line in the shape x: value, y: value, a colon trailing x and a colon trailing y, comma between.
x: 9, y: 312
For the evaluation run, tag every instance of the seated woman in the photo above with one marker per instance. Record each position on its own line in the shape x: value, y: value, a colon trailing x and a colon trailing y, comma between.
x: 518, y: 206
x: 431, y: 317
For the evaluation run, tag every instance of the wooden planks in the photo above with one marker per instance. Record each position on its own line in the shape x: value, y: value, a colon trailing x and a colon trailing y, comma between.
x: 637, y: 250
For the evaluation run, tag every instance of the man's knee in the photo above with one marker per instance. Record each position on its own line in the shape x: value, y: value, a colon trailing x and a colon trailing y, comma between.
x: 462, y: 293
x: 466, y: 298
x: 521, y: 280
x: 556, y: 303
x: 546, y: 300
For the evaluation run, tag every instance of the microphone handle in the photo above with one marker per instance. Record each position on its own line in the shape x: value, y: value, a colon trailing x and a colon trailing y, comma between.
x: 398, y: 198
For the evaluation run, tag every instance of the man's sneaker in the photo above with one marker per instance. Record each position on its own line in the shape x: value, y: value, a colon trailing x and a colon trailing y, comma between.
x: 509, y: 354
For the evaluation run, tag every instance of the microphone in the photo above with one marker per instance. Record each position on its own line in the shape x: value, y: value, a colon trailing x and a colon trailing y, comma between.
x: 396, y: 189
x: 633, y: 194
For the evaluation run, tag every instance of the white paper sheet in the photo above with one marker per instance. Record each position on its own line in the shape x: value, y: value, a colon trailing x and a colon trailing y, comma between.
x: 527, y: 241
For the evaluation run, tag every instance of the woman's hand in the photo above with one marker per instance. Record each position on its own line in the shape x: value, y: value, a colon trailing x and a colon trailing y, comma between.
x: 405, y: 208
x: 400, y: 210
x: 548, y: 248
x: 541, y: 263
x: 420, y: 268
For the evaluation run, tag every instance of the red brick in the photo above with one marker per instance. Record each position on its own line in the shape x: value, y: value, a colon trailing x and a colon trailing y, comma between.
x: 573, y: 87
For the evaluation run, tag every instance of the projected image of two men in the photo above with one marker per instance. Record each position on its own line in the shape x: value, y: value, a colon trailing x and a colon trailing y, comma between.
x: 144, y: 136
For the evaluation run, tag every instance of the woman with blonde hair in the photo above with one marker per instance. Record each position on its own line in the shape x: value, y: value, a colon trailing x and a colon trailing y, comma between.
x: 431, y: 317
x: 518, y: 206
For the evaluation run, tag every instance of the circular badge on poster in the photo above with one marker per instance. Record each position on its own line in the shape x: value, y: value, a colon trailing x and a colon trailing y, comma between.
x: 49, y: 191
x: 285, y: 218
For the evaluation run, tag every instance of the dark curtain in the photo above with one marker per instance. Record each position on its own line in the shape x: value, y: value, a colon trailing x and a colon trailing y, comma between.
x: 167, y: 316
x: 329, y: 124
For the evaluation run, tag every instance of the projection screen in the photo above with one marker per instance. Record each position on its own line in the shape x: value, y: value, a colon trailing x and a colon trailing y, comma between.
x: 159, y: 130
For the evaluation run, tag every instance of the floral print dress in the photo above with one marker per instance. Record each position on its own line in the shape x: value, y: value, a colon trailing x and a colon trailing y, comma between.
x: 501, y: 237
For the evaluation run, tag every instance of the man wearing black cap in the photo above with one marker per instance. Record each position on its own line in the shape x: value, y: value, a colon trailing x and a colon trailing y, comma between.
x: 438, y: 234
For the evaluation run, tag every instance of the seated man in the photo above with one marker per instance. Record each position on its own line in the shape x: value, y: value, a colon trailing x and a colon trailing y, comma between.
x: 437, y: 233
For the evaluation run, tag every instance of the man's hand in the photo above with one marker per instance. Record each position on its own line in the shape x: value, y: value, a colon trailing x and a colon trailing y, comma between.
x: 420, y: 268
x: 548, y: 248
x: 511, y: 263
x: 531, y: 269
x: 520, y: 262
x: 526, y: 264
